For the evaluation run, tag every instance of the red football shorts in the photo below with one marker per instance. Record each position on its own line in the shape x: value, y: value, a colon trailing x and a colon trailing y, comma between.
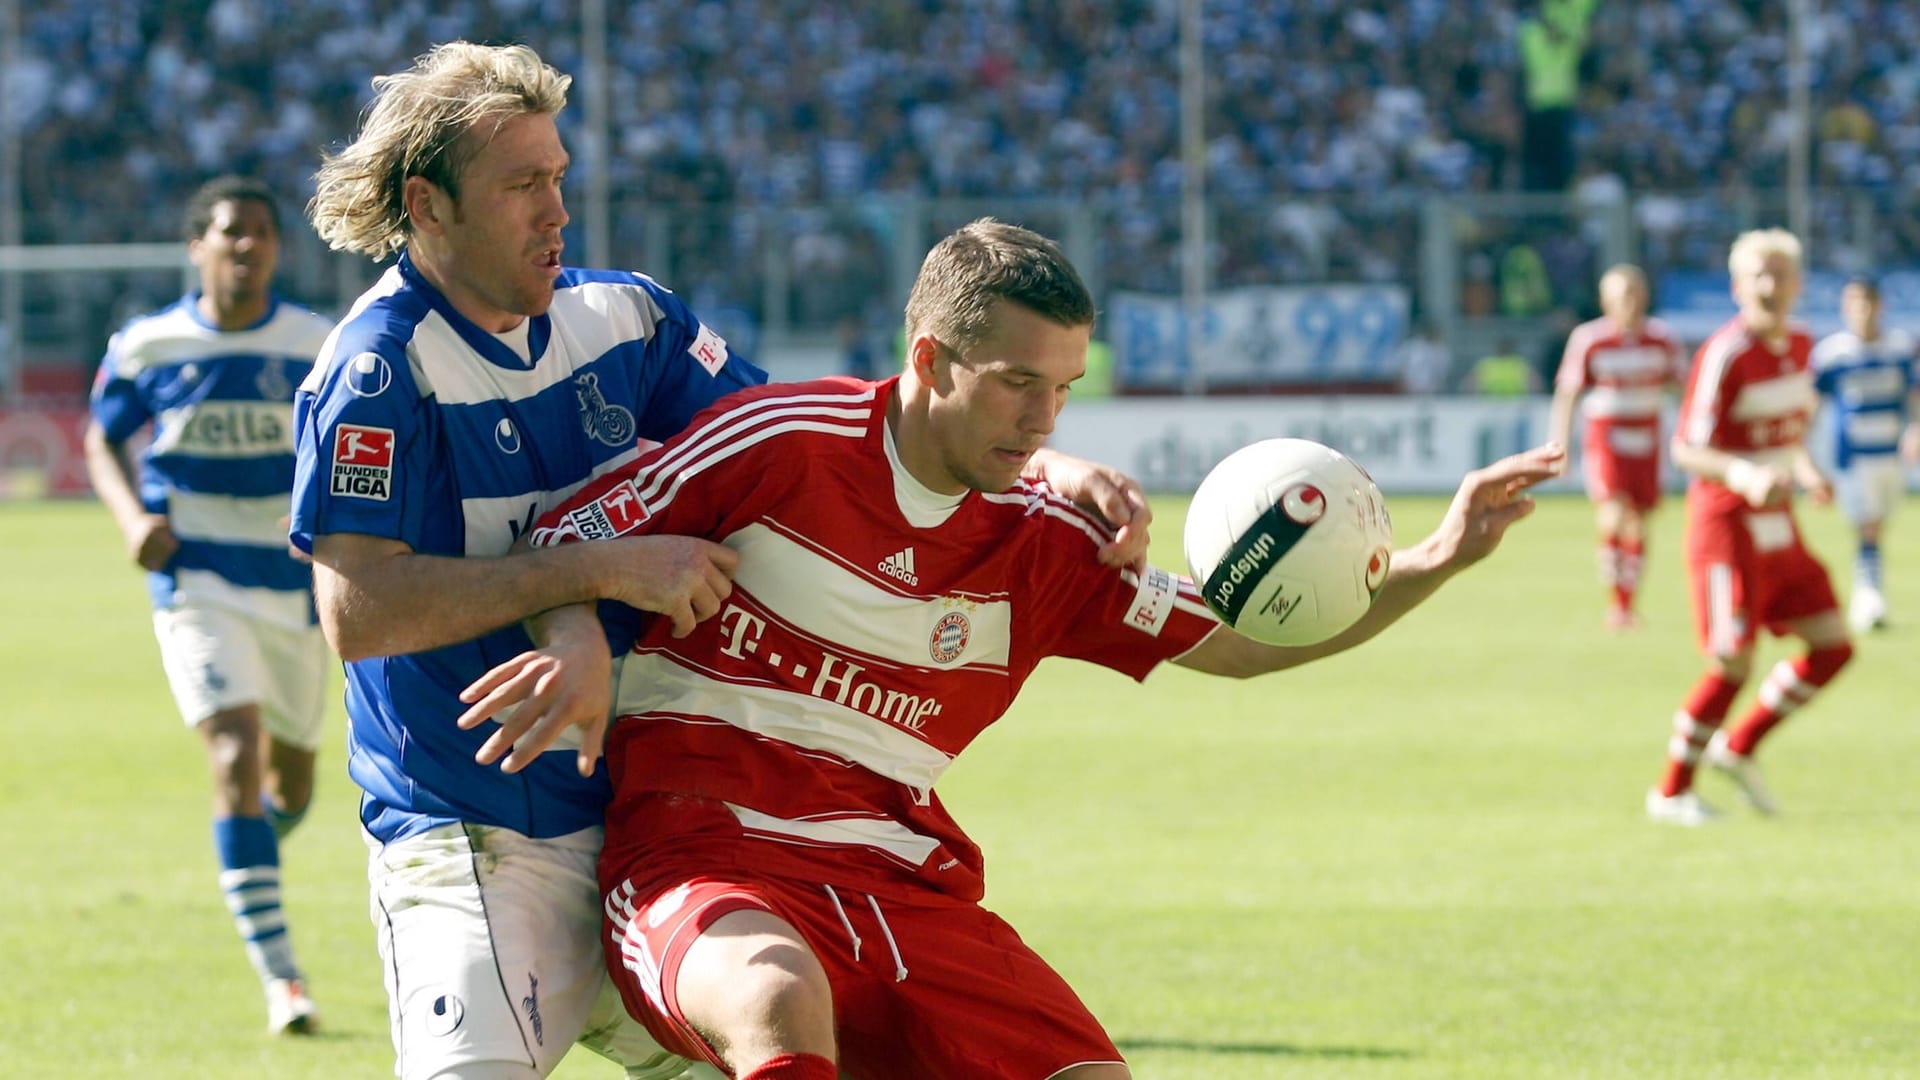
x: 1749, y: 570
x: 1622, y: 462
x: 932, y: 988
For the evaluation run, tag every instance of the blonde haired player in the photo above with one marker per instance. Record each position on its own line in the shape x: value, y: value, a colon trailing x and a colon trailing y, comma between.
x: 1742, y: 436
x: 472, y: 388
x: 1622, y: 364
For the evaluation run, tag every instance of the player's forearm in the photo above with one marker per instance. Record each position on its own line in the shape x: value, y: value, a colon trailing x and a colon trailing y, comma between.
x: 394, y: 603
x: 566, y: 624
x: 1414, y: 575
x: 1560, y: 424
x: 110, y: 471
x: 1706, y: 462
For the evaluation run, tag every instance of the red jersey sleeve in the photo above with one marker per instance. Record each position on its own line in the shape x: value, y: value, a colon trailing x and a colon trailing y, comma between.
x: 692, y: 485
x: 1573, y: 362
x: 1126, y: 620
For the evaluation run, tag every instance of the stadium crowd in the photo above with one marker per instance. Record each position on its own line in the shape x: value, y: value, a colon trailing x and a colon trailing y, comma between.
x: 1327, y: 122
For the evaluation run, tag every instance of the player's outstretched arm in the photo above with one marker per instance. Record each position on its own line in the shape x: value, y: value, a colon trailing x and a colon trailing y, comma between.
x: 377, y: 597
x: 1116, y: 497
x: 1488, y: 502
x: 564, y: 682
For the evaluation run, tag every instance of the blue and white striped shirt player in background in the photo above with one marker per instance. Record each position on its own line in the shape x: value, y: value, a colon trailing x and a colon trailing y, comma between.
x: 1869, y: 379
x: 473, y: 387
x: 214, y: 375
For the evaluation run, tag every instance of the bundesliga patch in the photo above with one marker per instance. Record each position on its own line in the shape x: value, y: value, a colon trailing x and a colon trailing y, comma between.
x: 362, y: 462
x: 710, y: 349
x: 616, y: 513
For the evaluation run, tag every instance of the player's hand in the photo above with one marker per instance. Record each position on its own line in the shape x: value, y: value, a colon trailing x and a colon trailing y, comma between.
x: 1118, y: 498
x: 684, y: 578
x: 151, y: 542
x: 1819, y: 489
x: 1490, y: 500
x: 565, y: 684
x: 1762, y: 485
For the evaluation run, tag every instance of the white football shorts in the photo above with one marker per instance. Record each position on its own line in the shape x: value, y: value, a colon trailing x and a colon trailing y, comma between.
x: 490, y: 943
x: 1871, y: 489
x: 217, y: 658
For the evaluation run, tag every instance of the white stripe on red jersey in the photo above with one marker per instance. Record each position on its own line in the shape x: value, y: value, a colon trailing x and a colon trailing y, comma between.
x: 858, y: 654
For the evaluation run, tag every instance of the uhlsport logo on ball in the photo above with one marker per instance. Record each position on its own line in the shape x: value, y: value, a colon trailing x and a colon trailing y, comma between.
x: 1289, y: 541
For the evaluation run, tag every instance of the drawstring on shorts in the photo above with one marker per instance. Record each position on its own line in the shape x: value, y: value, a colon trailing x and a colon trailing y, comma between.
x: 899, y: 964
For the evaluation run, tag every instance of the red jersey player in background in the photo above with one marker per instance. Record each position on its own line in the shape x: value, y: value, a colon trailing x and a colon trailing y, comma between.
x: 1623, y: 362
x: 1742, y: 436
x: 786, y: 896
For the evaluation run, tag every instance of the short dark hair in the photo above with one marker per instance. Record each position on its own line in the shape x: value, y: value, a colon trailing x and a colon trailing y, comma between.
x: 221, y: 189
x: 1864, y: 281
x: 984, y: 261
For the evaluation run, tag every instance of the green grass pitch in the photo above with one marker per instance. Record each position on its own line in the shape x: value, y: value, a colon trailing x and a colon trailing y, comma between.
x: 1425, y: 858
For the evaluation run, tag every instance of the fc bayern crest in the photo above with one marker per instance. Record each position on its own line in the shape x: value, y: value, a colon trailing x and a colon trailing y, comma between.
x: 950, y: 636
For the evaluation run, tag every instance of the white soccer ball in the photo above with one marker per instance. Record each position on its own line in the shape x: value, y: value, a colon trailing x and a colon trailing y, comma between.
x: 1289, y: 541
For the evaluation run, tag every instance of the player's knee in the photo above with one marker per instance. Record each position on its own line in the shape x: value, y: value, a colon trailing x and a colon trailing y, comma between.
x: 752, y: 985
x: 1825, y: 662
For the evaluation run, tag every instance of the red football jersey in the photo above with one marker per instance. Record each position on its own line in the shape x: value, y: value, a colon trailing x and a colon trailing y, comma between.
x: 864, y: 645
x: 1624, y: 374
x: 1745, y: 397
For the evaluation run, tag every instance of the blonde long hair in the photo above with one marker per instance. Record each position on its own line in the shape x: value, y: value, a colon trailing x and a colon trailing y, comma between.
x: 417, y: 126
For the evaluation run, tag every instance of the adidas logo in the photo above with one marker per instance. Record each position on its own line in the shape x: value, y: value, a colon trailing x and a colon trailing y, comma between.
x: 900, y: 565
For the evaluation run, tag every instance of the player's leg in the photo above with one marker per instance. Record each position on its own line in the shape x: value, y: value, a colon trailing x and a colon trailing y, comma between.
x: 293, y: 709
x: 718, y: 970
x: 1725, y: 633
x: 1789, y: 687
x: 1798, y: 600
x: 1609, y: 554
x: 1869, y: 492
x: 1629, y: 531
x: 490, y: 948
x: 218, y: 677
x: 751, y: 985
x: 615, y: 1035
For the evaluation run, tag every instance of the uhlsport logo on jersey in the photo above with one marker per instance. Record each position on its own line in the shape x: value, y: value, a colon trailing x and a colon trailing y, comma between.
x: 362, y: 462
x: 616, y: 513
x: 950, y: 636
x: 899, y: 566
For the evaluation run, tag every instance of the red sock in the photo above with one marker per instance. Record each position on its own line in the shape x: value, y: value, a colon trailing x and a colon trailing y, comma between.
x: 795, y: 1067
x: 1608, y: 556
x: 1627, y: 580
x: 1693, y: 725
x: 1791, y: 684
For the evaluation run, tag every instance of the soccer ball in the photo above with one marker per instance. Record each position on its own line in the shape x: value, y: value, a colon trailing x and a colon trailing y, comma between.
x: 1288, y: 541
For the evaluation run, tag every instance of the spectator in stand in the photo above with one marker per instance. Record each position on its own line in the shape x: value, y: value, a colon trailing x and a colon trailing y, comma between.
x: 1424, y: 361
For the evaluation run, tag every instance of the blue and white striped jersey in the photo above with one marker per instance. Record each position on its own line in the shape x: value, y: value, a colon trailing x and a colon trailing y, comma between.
x: 421, y: 427
x: 1869, y: 386
x: 221, y: 460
